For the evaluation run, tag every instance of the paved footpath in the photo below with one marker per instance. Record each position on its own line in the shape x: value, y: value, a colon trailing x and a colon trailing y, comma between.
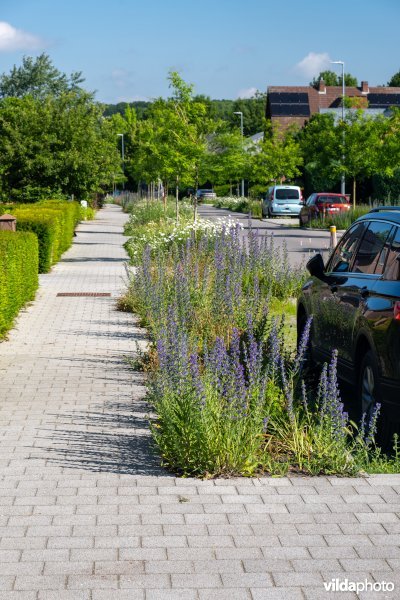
x: 87, y: 513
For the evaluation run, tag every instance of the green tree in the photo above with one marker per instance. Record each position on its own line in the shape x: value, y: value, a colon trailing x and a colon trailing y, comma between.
x: 276, y: 159
x: 395, y: 80
x: 227, y: 158
x: 38, y: 78
x: 321, y: 147
x: 332, y: 78
x: 59, y: 145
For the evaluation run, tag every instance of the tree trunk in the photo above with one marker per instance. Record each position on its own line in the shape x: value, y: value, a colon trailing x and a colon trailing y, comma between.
x: 354, y: 192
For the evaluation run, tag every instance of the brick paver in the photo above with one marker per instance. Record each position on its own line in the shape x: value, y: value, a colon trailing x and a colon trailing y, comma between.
x: 87, y: 513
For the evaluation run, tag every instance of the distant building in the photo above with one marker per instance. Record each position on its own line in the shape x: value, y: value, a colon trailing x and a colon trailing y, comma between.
x: 295, y: 104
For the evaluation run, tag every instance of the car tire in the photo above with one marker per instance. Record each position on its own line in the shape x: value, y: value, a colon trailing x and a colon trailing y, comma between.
x: 369, y: 394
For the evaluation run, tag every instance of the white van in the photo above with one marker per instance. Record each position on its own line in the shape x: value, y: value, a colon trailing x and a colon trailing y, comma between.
x: 282, y: 200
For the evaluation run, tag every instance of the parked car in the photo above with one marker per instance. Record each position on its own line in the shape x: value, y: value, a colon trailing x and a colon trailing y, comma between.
x: 321, y: 204
x: 355, y: 303
x: 282, y: 200
x: 203, y: 194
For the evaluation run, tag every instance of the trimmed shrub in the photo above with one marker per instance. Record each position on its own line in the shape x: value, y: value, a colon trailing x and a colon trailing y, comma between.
x: 54, y: 223
x: 18, y: 274
x: 47, y: 229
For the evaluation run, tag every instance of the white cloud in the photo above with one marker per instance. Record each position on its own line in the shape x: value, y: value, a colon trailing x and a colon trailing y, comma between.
x: 313, y: 64
x: 15, y: 39
x: 247, y: 93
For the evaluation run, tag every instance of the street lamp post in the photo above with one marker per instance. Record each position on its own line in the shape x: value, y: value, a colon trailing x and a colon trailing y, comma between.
x: 239, y: 112
x: 340, y: 62
x: 121, y: 135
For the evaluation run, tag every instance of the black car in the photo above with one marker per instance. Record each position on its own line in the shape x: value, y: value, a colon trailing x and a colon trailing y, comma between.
x: 355, y: 303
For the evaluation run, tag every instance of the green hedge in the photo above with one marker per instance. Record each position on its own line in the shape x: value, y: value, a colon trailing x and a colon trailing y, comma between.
x: 18, y: 274
x: 47, y: 230
x: 54, y: 223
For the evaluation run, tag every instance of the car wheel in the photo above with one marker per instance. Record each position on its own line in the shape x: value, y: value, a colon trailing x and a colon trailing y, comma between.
x: 368, y: 385
x: 369, y: 393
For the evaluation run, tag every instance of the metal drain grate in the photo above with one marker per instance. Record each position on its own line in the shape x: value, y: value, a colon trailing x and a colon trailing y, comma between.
x: 84, y: 294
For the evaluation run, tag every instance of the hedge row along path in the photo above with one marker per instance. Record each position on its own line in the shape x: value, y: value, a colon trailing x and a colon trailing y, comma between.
x: 87, y: 513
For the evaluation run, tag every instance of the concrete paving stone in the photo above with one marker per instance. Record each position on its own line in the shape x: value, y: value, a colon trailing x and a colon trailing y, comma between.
x: 116, y: 542
x: 385, y: 552
x: 64, y: 595
x: 145, y: 530
x: 385, y: 540
x: 118, y: 595
x: 292, y: 519
x: 68, y: 567
x: 317, y: 528
x: 183, y: 594
x: 40, y: 582
x: 143, y: 553
x: 145, y: 581
x: 347, y: 540
x: 310, y: 579
x: 218, y: 566
x: 22, y: 568
x: 192, y: 553
x: 313, y: 594
x: 225, y: 594
x: 70, y: 542
x: 165, y: 541
x: 363, y: 528
x: 199, y: 529
x: 9, y: 556
x: 247, y: 580
x: 118, y: 567
x: 282, y: 593
x: 267, y: 565
x: 6, y: 582
x: 238, y: 553
x: 303, y: 509
x: 365, y: 564
x: 22, y: 543
x: 169, y: 566
x: 321, y: 552
x: 18, y: 595
x: 316, y: 565
x: 92, y: 554
x: 210, y: 518
x: 287, y: 553
x: 236, y: 529
x: 337, y: 518
x: 196, y: 580
x: 13, y: 531
x: 77, y: 582
x: 302, y: 540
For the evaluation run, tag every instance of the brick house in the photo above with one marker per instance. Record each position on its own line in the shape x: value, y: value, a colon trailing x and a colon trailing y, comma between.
x: 295, y: 104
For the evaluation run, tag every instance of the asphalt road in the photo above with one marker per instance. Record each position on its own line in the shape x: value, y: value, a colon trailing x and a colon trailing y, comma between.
x: 301, y: 243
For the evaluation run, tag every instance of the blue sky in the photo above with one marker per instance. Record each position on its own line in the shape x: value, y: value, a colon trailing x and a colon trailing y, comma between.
x: 225, y: 48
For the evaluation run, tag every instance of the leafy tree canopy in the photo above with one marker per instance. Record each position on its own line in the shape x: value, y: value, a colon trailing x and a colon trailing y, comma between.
x: 37, y: 78
x: 332, y: 78
x: 395, y: 80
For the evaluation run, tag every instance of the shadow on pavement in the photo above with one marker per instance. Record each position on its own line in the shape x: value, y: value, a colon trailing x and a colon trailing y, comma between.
x: 113, y: 437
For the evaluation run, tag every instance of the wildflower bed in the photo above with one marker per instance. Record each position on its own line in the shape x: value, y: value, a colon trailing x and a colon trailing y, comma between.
x: 229, y: 396
x: 241, y: 204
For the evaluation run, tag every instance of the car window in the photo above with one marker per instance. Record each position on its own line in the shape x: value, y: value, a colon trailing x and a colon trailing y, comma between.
x: 287, y: 194
x: 332, y: 199
x: 311, y: 200
x: 345, y: 251
x: 392, y: 269
x: 372, y: 247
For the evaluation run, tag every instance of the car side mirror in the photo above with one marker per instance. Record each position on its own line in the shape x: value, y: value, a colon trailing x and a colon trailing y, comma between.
x: 315, y: 266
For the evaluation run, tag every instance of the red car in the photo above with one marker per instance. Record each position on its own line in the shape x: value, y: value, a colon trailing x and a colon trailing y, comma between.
x: 322, y: 203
